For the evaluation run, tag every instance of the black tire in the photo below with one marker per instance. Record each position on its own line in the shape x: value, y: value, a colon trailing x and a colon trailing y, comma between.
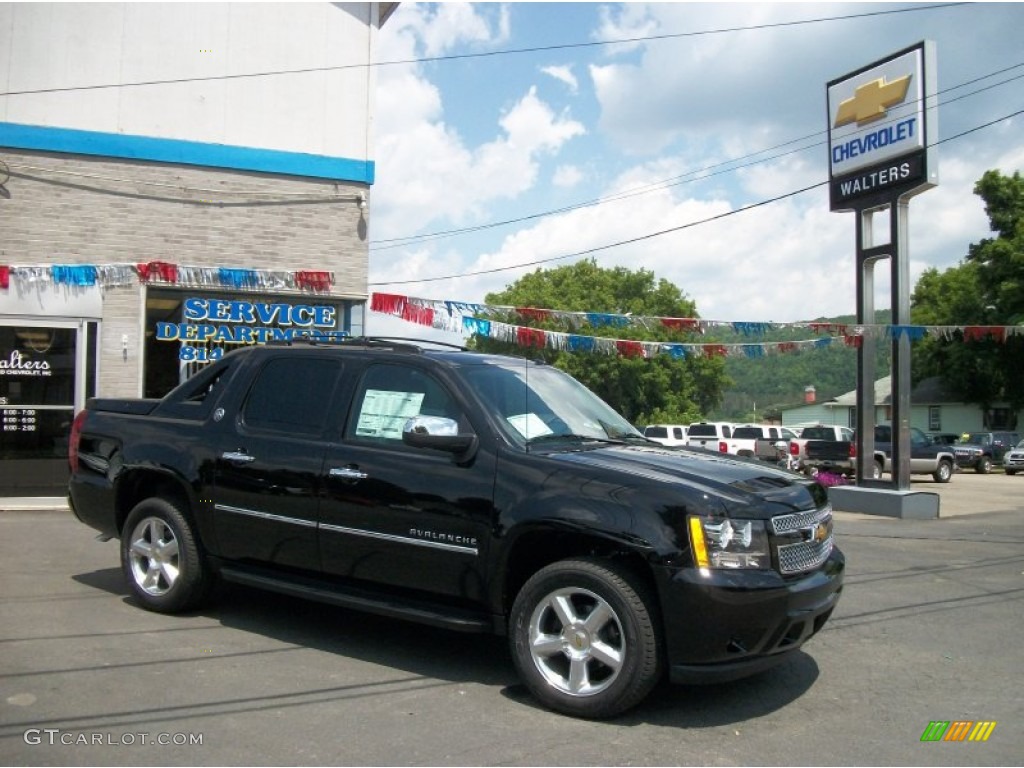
x: 1011, y: 472
x: 984, y: 465
x: 944, y: 472
x: 161, y: 558
x: 603, y: 615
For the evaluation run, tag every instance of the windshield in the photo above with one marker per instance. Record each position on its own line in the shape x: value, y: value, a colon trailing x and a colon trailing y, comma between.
x: 534, y: 402
x: 979, y: 438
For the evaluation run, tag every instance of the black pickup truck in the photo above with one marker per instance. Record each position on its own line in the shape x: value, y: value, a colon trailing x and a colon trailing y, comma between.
x: 468, y: 491
x: 829, y: 449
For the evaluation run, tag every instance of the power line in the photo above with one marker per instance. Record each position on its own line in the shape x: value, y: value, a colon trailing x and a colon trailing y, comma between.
x: 482, y: 54
x: 670, y: 230
x: 691, y: 176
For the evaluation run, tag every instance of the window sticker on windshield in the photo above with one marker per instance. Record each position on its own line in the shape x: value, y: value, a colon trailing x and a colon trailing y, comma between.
x: 529, y: 425
x: 384, y: 413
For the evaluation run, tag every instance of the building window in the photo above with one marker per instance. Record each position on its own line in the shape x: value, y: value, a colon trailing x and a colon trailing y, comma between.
x: 934, y: 418
x: 999, y: 418
x: 187, y: 329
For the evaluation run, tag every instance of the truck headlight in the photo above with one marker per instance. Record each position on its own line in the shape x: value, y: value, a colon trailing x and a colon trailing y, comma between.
x: 725, y: 543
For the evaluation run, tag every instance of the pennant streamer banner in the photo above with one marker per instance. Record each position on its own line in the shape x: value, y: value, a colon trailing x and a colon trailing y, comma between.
x: 162, y: 272
x: 467, y: 318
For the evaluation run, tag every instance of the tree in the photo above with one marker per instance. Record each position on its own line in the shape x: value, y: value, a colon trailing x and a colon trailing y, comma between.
x: 660, y: 389
x: 985, y: 289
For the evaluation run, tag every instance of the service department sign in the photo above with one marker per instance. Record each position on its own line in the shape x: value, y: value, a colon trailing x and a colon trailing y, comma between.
x: 881, y: 130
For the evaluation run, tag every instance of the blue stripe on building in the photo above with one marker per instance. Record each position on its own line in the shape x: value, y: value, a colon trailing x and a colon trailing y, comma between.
x: 45, y: 139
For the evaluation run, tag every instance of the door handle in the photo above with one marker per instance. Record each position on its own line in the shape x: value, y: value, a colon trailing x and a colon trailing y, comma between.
x: 348, y: 473
x: 237, y: 457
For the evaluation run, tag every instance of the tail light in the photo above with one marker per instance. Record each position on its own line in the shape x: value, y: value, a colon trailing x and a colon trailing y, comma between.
x: 76, y: 434
x: 794, y: 449
x: 853, y: 450
x: 723, y: 447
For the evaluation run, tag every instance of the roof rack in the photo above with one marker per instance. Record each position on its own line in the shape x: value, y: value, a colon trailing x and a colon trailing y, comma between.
x: 404, y: 342
x: 398, y: 343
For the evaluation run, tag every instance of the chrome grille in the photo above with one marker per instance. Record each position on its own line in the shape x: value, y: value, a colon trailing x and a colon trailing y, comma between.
x: 804, y: 555
x: 804, y: 539
x: 794, y: 522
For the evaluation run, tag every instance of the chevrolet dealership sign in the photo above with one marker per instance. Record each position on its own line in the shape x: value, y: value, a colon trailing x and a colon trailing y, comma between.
x: 881, y: 130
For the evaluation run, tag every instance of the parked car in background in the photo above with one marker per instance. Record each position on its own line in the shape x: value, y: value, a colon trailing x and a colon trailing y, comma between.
x: 1013, y: 459
x: 981, y: 450
x: 712, y: 436
x: 666, y: 434
x: 926, y: 457
x: 759, y: 440
x: 831, y: 433
x: 827, y: 449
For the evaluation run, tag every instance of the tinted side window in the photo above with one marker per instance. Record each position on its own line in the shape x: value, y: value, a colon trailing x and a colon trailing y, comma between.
x: 390, y: 394
x: 677, y: 433
x: 292, y: 394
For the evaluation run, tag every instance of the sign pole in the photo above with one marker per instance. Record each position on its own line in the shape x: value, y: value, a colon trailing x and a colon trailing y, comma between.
x: 880, y: 155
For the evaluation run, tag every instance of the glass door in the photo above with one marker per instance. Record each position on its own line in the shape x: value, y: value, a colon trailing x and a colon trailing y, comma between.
x: 47, y: 369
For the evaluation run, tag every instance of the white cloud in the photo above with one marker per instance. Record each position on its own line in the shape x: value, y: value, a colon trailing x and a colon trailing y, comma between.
x: 443, y: 26
x: 563, y: 74
x: 567, y: 176
x: 427, y: 175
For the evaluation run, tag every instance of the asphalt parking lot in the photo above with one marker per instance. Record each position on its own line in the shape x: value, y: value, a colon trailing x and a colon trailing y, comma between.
x: 928, y: 629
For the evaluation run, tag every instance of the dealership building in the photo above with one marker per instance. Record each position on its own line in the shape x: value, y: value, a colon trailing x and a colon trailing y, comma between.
x: 175, y: 180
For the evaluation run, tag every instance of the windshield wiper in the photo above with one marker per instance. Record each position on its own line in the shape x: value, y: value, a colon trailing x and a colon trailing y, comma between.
x: 569, y: 436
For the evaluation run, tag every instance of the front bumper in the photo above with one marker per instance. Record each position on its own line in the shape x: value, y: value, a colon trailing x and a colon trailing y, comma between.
x: 1014, y: 461
x: 730, y: 624
x: 967, y: 460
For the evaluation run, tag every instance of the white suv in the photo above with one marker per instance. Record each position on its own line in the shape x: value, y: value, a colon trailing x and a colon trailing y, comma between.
x: 666, y: 434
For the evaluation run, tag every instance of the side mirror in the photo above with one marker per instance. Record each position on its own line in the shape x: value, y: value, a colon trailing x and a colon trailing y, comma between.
x: 440, y: 434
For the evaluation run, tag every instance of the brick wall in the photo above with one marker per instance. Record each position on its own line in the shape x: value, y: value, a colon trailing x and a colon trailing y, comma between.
x: 71, y: 209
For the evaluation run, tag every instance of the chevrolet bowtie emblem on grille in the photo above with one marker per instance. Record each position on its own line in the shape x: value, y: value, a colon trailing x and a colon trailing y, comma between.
x: 871, y: 100
x: 817, y: 533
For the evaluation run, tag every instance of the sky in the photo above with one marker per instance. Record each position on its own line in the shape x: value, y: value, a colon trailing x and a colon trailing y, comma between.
x: 515, y: 133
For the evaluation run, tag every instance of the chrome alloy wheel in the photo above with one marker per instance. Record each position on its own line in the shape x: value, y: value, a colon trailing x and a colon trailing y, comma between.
x: 576, y: 641
x: 154, y: 556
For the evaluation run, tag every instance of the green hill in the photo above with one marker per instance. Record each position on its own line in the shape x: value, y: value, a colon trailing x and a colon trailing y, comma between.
x: 762, y: 385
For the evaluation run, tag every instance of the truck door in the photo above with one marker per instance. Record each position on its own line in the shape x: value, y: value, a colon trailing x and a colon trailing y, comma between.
x: 269, y: 463
x: 406, y: 517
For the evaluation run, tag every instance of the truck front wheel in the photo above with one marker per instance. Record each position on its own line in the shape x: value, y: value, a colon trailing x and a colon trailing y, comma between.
x: 585, y: 638
x: 161, y: 558
x: 984, y: 465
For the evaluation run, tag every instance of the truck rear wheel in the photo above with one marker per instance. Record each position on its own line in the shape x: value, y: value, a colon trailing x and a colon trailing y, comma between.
x: 585, y: 638
x: 944, y: 472
x: 161, y: 558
